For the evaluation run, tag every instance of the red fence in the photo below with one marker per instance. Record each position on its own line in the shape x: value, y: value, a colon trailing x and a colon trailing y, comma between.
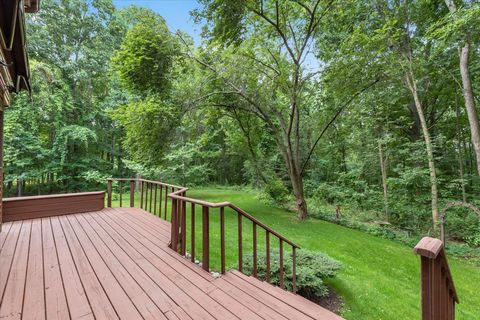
x: 438, y: 291
x: 154, y: 196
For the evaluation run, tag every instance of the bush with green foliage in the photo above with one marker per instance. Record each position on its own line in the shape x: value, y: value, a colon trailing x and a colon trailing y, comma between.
x: 277, y: 191
x: 312, y: 269
x: 462, y: 224
x: 474, y: 240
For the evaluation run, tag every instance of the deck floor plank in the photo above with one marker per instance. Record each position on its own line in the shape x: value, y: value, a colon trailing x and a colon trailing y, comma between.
x: 55, y: 299
x: 221, y: 297
x: 12, y: 300
x: 78, y: 303
x: 96, y: 247
x: 34, y: 301
x: 196, y: 274
x: 264, y: 311
x: 107, y: 299
x: 259, y: 295
x: 3, y: 235
x: 7, y: 254
x: 295, y: 301
x: 116, y: 264
x: 142, y: 220
x: 196, y: 305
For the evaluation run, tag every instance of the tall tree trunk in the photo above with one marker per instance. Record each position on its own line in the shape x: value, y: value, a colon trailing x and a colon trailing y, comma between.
x: 294, y: 173
x: 464, y: 52
x: 412, y: 85
x: 297, y: 186
x: 383, y: 169
x: 461, y: 159
x: 19, y: 187
x: 470, y: 102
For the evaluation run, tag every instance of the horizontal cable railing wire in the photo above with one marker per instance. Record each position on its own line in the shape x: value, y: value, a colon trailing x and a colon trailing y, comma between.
x: 154, y: 197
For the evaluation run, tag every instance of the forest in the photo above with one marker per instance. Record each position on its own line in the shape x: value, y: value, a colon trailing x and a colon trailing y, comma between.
x: 359, y: 110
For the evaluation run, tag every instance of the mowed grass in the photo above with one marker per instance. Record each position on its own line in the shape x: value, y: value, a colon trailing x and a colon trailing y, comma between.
x: 380, y: 279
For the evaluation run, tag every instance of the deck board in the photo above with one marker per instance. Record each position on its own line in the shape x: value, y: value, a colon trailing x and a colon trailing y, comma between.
x: 56, y: 306
x: 116, y: 264
x: 34, y: 300
x: 12, y: 302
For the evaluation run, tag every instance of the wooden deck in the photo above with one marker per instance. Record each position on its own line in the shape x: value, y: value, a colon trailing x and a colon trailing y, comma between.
x: 116, y: 263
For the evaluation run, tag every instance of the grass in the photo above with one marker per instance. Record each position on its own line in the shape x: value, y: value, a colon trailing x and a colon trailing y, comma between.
x: 379, y: 278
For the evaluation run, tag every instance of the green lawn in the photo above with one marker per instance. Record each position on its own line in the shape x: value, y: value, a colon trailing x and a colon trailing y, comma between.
x: 379, y: 279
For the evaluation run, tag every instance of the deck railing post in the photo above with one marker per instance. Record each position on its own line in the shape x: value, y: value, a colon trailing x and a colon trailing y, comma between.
x: 132, y: 193
x: 109, y: 192
x: 438, y: 291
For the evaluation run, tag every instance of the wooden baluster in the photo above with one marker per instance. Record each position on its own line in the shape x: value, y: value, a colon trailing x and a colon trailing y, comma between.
x: 146, y: 196
x: 267, y: 255
x: 192, y: 234
x: 294, y: 269
x: 109, y: 193
x: 254, y: 249
x: 437, y: 282
x: 174, y: 227
x: 132, y: 193
x: 184, y: 227
x: 155, y: 201
x: 222, y: 239
x: 151, y: 196
x: 160, y: 200
x: 206, y: 239
x: 240, y: 243
x: 166, y: 202
x: 141, y: 194
x: 443, y: 291
x: 281, y: 264
x: 120, y: 186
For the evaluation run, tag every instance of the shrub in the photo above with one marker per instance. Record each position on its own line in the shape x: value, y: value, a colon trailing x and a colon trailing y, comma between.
x: 474, y: 240
x: 462, y: 224
x: 312, y: 269
x: 277, y: 191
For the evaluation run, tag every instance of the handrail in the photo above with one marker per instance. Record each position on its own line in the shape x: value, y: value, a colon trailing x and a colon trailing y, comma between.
x: 438, y: 290
x: 148, y: 201
x: 176, y: 195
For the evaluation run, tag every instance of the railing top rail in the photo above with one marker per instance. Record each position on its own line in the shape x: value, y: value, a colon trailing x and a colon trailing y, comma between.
x: 433, y: 248
x: 177, y: 195
x: 149, y: 181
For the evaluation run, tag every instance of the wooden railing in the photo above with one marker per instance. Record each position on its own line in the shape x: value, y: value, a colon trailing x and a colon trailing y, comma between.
x: 149, y: 201
x: 153, y: 195
x: 438, y: 291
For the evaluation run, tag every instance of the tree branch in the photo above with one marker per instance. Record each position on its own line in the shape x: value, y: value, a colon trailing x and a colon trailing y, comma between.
x: 337, y: 114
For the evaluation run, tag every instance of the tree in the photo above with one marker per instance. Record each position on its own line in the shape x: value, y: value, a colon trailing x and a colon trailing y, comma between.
x: 465, y: 45
x: 144, y: 64
x: 271, y: 42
